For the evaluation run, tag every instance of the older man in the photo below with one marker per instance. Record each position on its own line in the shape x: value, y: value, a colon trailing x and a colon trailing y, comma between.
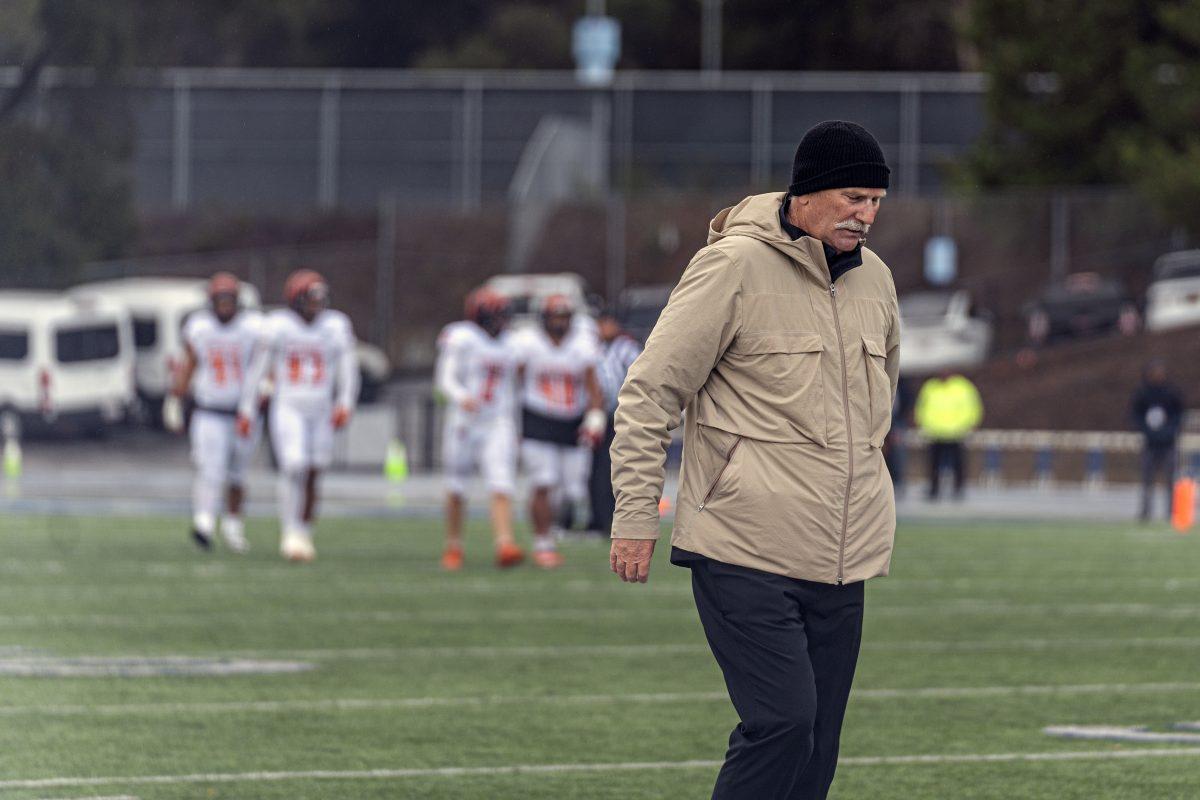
x: 781, y: 340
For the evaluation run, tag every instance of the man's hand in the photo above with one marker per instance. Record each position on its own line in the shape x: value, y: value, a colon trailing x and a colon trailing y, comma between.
x: 243, y: 426
x: 341, y: 415
x: 630, y: 558
x: 470, y: 405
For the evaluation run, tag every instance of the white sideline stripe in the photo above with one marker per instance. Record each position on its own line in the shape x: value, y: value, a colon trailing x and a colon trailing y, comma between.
x: 551, y: 769
x: 395, y: 703
x: 95, y: 797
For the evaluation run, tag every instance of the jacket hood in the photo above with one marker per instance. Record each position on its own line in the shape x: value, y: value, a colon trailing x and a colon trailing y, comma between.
x: 758, y: 218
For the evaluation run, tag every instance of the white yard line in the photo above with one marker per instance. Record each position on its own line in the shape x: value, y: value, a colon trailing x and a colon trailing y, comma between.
x: 1121, y: 733
x: 916, y: 646
x: 484, y: 615
x: 400, y: 703
x: 552, y: 769
x: 641, y: 650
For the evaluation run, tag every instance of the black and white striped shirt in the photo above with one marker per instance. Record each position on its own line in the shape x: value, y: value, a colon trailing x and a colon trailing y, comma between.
x: 614, y: 364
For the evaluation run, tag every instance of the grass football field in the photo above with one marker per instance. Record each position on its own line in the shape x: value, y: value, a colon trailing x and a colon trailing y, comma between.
x: 129, y: 667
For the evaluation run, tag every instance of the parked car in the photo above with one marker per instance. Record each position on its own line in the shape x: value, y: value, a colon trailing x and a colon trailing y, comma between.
x: 1173, y: 298
x: 639, y: 307
x: 158, y: 307
x: 1084, y: 304
x: 942, y: 330
x: 66, y: 363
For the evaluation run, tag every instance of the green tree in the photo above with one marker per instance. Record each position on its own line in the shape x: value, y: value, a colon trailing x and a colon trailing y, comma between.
x: 1162, y: 154
x: 64, y: 196
x: 517, y: 35
x: 1092, y: 92
x: 1059, y: 102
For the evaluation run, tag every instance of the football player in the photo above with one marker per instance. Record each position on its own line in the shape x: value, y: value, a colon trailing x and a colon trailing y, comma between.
x: 218, y: 343
x: 476, y: 374
x: 309, y: 350
x: 561, y: 418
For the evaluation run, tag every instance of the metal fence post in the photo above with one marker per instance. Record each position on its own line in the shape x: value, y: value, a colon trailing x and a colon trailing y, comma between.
x: 760, y: 133
x: 910, y: 138
x: 615, y: 240
x: 181, y: 143
x: 1060, y: 236
x: 1094, y: 472
x: 992, y: 466
x: 471, y: 145
x: 1043, y: 467
x: 385, y: 270
x: 328, y: 143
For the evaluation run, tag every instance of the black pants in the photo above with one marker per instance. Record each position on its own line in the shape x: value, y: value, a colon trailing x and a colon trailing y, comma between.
x: 788, y: 649
x: 946, y: 454
x: 1157, y: 460
x: 600, y: 489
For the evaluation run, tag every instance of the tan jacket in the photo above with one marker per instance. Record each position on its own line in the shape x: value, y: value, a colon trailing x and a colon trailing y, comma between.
x: 788, y: 386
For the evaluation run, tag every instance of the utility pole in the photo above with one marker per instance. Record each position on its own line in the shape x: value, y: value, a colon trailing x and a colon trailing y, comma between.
x: 710, y: 35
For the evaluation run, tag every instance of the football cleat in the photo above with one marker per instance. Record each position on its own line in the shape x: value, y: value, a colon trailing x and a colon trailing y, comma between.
x: 297, y: 547
x: 202, y: 539
x: 452, y: 559
x: 202, y: 528
x: 233, y: 534
x: 509, y: 555
x: 547, y: 559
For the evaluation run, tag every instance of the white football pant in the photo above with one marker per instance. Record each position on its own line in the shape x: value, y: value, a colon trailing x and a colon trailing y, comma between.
x: 489, y: 445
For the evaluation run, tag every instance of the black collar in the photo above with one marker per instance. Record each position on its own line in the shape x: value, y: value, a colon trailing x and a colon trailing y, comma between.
x: 839, y: 263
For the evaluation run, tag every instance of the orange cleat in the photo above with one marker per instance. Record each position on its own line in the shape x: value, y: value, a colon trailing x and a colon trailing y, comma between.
x: 452, y: 559
x: 509, y: 555
x: 547, y: 559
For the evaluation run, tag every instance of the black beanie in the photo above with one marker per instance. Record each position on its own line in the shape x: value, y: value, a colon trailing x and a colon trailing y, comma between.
x: 835, y: 155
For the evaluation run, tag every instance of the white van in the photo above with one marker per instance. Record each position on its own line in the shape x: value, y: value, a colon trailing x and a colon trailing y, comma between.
x: 65, y: 362
x: 158, y: 308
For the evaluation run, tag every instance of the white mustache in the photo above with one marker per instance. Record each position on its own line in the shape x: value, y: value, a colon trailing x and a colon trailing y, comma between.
x: 853, y: 225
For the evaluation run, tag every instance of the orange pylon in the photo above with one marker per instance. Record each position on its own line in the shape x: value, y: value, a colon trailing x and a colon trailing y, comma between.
x: 1183, y: 505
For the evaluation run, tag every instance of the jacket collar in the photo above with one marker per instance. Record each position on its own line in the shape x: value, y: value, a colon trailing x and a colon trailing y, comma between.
x: 838, y: 263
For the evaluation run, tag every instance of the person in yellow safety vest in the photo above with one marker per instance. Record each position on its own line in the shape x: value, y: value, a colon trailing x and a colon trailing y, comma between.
x: 948, y: 408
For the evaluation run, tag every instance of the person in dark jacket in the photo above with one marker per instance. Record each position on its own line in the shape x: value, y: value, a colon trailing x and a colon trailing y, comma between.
x: 1157, y: 411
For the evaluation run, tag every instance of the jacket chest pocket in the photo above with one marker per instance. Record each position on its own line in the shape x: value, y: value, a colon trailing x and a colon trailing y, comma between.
x: 782, y: 376
x: 879, y: 389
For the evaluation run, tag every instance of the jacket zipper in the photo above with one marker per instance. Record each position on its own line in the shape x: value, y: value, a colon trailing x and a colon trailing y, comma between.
x: 849, y: 437
x: 712, y: 487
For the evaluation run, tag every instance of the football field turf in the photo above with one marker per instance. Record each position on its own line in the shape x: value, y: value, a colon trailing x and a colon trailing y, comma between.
x: 132, y: 666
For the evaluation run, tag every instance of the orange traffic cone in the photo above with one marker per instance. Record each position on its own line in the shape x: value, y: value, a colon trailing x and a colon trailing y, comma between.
x: 1183, y: 505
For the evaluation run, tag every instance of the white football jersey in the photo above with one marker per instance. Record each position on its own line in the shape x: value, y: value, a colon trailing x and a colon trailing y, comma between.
x: 554, y: 374
x: 473, y: 365
x: 306, y: 358
x: 223, y: 353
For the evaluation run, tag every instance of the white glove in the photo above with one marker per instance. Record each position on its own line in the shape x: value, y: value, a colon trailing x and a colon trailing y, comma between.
x: 172, y: 414
x: 595, y: 425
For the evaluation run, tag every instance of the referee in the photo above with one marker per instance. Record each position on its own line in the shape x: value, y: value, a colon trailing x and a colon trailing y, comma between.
x: 619, y: 351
